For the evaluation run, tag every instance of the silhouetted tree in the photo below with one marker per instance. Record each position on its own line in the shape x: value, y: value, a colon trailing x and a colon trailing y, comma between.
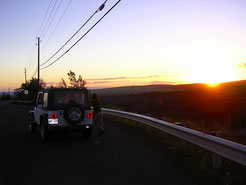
x: 74, y: 82
x: 62, y: 84
x: 32, y: 87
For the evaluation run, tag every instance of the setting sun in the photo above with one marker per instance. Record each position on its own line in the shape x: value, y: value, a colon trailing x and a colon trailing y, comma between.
x: 212, y: 84
x: 211, y: 65
x: 215, y: 75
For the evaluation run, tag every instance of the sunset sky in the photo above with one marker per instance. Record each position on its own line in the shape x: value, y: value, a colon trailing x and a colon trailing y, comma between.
x: 141, y: 42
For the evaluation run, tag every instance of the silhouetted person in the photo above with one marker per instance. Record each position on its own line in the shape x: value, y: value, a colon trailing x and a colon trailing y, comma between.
x: 97, y: 114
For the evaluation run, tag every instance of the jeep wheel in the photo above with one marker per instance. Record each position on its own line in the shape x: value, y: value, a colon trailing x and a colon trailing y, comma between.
x: 31, y: 125
x: 43, y: 131
x: 86, y: 133
x: 74, y: 113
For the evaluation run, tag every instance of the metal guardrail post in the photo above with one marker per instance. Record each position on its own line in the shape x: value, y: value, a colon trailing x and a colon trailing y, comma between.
x: 216, y: 159
x: 183, y: 142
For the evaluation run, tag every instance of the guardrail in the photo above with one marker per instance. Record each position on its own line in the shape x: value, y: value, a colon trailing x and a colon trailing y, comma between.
x: 228, y: 149
x: 22, y: 102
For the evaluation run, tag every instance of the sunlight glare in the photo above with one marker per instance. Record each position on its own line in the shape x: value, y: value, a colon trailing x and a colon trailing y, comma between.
x: 212, y: 84
x: 210, y: 65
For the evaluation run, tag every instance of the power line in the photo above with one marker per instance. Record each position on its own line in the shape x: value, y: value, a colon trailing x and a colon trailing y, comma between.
x: 44, y: 18
x: 48, y: 20
x: 31, y: 56
x: 41, y: 26
x: 43, y: 29
x: 57, y: 24
x: 99, y: 9
x: 35, y: 72
x: 82, y: 36
x: 52, y: 18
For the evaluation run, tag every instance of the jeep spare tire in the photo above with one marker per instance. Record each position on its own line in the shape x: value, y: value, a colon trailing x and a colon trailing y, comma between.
x: 74, y: 113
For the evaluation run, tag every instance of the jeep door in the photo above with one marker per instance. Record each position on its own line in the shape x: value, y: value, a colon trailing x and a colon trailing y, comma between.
x: 39, y: 107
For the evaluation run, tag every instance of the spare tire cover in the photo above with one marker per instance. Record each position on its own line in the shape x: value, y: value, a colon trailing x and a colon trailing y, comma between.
x: 74, y: 113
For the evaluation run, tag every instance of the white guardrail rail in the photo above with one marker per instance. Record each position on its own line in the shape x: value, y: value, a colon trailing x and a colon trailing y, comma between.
x: 228, y: 149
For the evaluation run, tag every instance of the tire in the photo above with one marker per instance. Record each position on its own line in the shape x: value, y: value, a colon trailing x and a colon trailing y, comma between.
x: 74, y: 113
x: 31, y: 126
x: 43, y: 131
x: 86, y: 133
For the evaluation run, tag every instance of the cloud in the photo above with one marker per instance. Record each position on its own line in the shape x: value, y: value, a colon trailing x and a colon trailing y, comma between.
x: 106, y: 81
x: 118, y: 81
x: 163, y: 82
x: 122, y: 78
x: 99, y: 82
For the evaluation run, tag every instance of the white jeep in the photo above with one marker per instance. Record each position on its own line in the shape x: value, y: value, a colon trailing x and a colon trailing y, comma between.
x: 61, y: 108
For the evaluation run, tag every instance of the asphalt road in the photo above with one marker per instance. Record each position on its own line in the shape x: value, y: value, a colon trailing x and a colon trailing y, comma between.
x: 2, y: 103
x: 122, y: 156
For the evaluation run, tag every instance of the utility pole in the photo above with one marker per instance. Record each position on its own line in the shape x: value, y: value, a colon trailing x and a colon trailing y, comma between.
x: 25, y: 75
x: 38, y: 62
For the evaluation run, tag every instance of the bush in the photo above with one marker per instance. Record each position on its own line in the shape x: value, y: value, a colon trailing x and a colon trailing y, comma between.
x: 5, y: 96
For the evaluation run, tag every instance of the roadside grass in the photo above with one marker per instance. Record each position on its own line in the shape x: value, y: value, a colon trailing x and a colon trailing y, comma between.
x: 225, y: 127
x: 230, y: 173
x: 237, y: 135
x: 112, y: 107
x: 201, y: 108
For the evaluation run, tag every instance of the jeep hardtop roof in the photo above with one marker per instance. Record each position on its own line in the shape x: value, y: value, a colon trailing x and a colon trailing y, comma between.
x: 63, y: 89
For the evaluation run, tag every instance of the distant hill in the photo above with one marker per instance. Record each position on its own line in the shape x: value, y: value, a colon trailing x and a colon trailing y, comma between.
x: 144, y: 89
x: 157, y: 88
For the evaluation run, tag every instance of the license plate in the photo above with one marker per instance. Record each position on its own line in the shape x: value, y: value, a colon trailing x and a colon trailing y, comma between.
x: 53, y: 121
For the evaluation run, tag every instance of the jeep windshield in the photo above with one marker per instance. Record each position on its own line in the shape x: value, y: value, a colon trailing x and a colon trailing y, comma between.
x: 63, y: 98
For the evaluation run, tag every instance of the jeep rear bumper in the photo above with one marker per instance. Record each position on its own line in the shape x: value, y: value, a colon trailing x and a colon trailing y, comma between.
x: 69, y: 127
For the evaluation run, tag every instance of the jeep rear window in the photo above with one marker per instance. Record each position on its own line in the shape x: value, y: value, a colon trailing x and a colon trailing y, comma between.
x: 64, y: 98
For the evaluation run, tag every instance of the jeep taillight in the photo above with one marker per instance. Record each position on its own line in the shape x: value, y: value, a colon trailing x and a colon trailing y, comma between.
x: 53, y: 116
x: 89, y: 115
